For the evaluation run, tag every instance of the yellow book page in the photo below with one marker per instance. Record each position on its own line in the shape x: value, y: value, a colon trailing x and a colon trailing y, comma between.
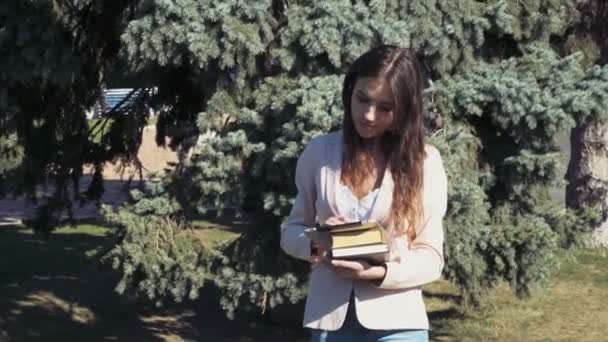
x: 356, y: 238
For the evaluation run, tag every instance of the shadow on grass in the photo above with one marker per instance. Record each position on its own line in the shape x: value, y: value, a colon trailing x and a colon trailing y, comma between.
x: 440, y: 319
x: 50, y: 291
x: 446, y: 297
x: 226, y: 222
x: 213, y: 325
x: 439, y: 322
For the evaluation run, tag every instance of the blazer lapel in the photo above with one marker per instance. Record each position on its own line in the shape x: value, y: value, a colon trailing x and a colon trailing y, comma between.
x: 333, y: 162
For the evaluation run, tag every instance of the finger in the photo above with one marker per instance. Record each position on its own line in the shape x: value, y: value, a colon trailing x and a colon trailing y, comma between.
x: 332, y: 220
x: 361, y: 264
x: 336, y: 263
x: 349, y: 273
x: 343, y: 264
x: 339, y: 219
x: 335, y: 220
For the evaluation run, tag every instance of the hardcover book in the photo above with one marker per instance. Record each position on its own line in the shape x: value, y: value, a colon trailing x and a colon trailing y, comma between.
x: 358, y: 240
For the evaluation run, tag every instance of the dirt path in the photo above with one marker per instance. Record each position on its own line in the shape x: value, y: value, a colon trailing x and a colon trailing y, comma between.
x: 152, y: 157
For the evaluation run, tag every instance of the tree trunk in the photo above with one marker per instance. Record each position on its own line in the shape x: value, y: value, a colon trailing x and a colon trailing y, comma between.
x: 588, y: 173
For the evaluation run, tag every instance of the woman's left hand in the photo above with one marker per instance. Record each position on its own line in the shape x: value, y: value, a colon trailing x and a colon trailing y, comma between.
x: 358, y: 269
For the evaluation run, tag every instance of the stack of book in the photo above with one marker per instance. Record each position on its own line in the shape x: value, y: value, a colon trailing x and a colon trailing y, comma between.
x: 358, y: 240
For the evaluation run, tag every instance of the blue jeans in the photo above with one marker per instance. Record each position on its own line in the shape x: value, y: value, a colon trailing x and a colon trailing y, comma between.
x: 347, y: 335
x: 353, y: 331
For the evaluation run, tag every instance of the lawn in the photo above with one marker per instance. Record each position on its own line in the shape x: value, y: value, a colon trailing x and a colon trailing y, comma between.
x: 573, y: 307
x: 50, y: 291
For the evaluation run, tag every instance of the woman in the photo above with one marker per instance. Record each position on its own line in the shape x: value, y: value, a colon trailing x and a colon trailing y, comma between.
x: 376, y: 168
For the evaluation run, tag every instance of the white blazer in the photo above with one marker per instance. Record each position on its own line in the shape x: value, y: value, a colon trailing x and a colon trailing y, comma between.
x: 397, y: 302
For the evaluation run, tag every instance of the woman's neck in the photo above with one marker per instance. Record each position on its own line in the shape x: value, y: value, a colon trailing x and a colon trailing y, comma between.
x: 373, y: 148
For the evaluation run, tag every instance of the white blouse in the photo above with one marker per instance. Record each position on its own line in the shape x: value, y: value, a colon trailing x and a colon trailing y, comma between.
x: 357, y: 209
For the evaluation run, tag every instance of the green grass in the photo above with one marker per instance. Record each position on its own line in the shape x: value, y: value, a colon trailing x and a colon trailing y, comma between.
x: 50, y: 290
x: 152, y: 120
x: 216, y: 231
x: 570, y: 308
x: 99, y: 132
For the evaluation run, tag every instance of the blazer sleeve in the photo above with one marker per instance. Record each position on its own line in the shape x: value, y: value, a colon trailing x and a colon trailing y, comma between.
x: 303, y: 213
x: 423, y: 262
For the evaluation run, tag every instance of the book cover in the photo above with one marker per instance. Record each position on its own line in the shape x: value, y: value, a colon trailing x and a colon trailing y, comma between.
x: 351, y: 226
x: 357, y: 238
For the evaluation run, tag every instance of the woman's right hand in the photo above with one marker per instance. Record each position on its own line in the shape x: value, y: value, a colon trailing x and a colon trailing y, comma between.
x: 321, y: 241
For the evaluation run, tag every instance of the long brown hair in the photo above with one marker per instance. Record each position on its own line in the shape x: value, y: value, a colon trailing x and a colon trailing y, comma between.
x: 403, y: 144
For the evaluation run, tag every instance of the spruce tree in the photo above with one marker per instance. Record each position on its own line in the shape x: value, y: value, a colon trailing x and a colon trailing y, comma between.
x: 268, y: 77
x: 244, y: 86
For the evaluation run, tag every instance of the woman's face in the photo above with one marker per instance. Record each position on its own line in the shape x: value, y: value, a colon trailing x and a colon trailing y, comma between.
x: 371, y: 107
